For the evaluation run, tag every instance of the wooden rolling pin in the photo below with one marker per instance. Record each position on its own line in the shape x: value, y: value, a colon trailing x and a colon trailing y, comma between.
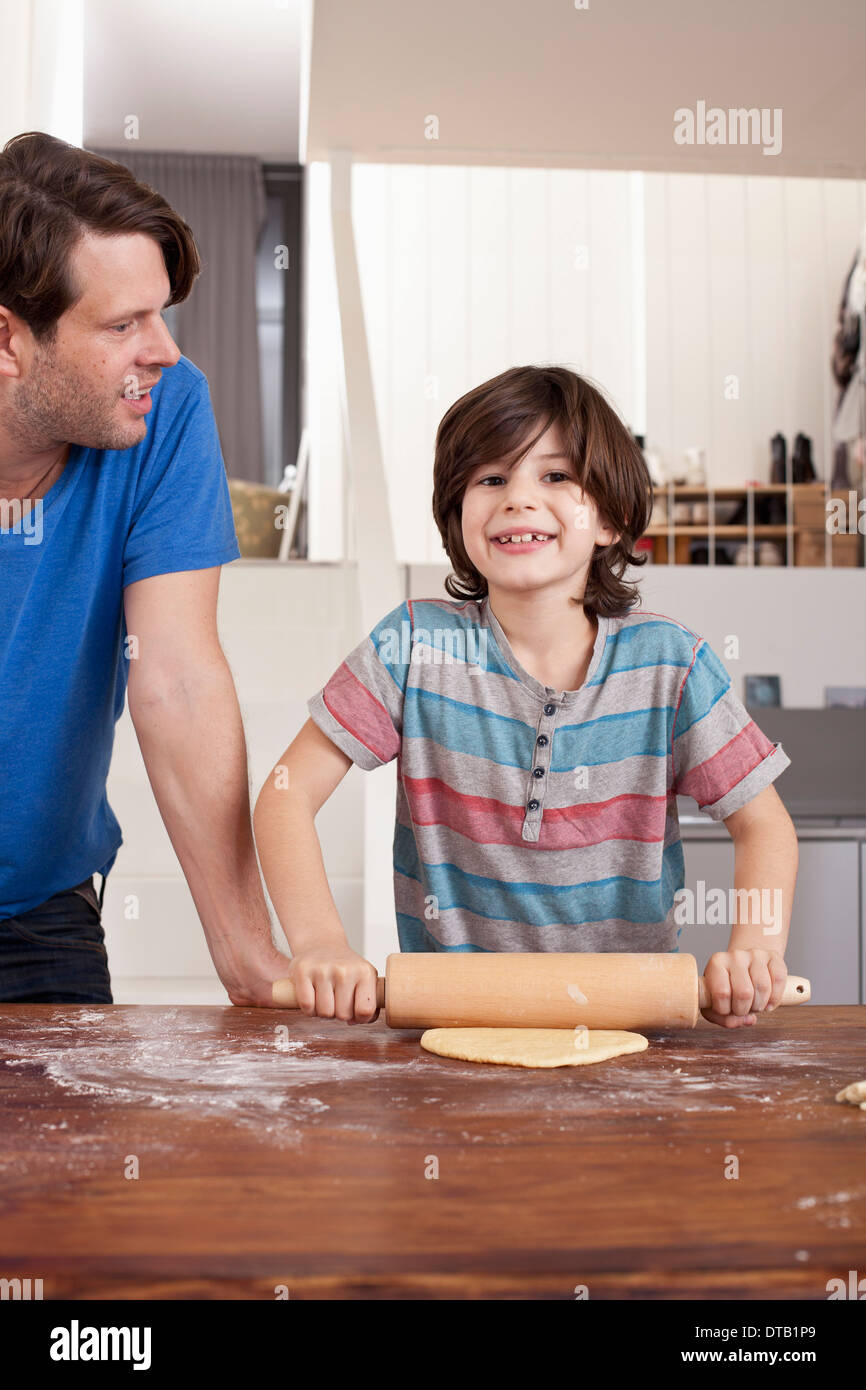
x: 547, y: 989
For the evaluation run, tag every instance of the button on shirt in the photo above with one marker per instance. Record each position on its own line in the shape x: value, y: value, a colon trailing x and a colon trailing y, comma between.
x: 530, y: 819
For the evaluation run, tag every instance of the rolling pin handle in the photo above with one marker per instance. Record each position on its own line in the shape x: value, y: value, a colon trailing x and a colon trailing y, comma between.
x: 284, y: 996
x: 798, y: 990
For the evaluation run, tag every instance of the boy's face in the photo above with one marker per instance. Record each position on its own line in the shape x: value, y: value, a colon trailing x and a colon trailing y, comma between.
x: 540, y: 495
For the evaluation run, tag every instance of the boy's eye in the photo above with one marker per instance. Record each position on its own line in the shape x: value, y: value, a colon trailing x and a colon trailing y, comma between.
x: 554, y: 473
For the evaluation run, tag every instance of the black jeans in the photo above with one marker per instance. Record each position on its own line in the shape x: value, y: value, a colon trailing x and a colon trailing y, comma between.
x: 55, y: 953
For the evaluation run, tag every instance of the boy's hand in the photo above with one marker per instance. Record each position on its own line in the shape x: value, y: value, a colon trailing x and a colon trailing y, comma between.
x: 743, y: 984
x: 335, y: 982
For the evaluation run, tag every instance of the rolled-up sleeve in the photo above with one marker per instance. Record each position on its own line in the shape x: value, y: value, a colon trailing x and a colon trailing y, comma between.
x: 720, y: 757
x: 360, y: 708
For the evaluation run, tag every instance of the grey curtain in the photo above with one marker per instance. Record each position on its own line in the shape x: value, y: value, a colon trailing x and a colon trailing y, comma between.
x: 222, y: 197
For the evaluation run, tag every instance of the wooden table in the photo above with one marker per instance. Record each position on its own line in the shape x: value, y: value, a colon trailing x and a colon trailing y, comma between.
x: 278, y: 1150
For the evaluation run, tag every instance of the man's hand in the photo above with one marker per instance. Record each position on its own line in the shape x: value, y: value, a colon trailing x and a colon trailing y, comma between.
x: 248, y: 981
x: 743, y: 984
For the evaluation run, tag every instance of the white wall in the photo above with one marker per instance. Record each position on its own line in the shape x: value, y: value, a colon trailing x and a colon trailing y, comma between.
x: 744, y: 277
x: 15, y: 47
x: 42, y: 46
x: 466, y: 272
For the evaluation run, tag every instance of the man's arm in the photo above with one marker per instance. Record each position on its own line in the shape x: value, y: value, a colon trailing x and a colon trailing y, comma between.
x: 185, y: 711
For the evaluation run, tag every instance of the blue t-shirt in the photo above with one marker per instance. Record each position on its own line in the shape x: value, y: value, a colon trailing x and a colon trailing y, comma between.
x: 112, y: 517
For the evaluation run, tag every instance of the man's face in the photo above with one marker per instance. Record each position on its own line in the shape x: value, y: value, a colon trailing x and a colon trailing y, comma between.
x: 111, y: 344
x: 540, y: 494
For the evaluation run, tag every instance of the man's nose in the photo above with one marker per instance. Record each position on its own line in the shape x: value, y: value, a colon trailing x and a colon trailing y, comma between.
x: 163, y: 349
x: 171, y: 351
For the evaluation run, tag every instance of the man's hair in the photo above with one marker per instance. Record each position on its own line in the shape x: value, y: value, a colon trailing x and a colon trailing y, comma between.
x: 51, y: 193
x: 494, y: 423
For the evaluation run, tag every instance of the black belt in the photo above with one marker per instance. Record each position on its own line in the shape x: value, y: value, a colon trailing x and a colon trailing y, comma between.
x: 87, y: 891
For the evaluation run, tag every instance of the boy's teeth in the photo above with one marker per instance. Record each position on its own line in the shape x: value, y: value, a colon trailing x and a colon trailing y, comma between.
x: 532, y: 536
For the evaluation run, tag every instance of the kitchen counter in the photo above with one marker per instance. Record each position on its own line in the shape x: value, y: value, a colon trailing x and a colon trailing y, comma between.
x: 353, y: 1164
x: 807, y: 827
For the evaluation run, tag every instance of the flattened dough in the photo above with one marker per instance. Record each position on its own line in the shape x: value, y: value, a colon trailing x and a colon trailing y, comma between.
x: 532, y: 1047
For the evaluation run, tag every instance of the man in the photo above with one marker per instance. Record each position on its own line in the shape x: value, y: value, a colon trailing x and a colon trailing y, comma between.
x: 114, y: 520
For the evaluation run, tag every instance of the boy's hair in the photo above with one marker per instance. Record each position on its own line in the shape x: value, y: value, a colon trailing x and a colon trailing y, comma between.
x: 50, y: 194
x: 494, y: 423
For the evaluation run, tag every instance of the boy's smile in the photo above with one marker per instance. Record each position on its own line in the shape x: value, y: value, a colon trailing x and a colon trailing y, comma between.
x: 517, y: 540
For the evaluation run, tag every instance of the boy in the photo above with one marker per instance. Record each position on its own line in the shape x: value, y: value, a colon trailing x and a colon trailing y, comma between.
x: 542, y: 730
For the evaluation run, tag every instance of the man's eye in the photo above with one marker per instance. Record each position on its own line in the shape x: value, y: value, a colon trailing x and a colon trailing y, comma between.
x: 120, y: 327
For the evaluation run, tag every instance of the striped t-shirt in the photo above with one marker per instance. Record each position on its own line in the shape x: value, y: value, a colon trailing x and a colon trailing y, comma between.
x: 530, y: 819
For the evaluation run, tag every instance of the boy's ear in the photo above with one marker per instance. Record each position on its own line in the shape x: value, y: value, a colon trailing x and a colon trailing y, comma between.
x: 605, y: 535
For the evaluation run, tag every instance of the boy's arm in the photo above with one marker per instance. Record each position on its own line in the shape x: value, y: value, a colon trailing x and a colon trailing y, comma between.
x: 766, y: 856
x: 289, y: 850
x: 331, y: 980
x: 750, y: 976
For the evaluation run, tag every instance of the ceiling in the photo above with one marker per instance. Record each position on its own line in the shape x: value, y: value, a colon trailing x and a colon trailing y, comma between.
x: 211, y: 76
x: 539, y: 83
x: 547, y: 83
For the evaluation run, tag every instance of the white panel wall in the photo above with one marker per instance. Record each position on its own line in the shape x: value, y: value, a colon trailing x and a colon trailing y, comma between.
x: 466, y: 272
x: 42, y: 44
x: 744, y: 277
x: 15, y: 46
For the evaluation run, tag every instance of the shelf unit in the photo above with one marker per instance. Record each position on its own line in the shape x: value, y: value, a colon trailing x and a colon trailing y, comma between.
x: 802, y: 539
